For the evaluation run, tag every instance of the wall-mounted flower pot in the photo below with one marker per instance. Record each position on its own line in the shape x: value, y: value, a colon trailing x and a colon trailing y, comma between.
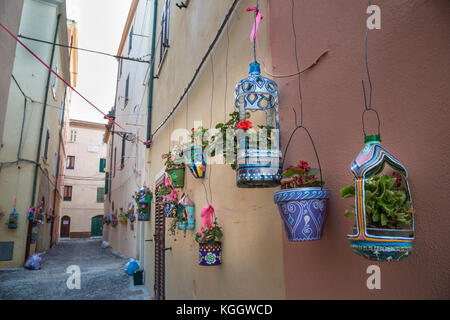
x: 210, y: 254
x: 196, y: 161
x: 177, y: 177
x: 170, y: 210
x: 302, y: 211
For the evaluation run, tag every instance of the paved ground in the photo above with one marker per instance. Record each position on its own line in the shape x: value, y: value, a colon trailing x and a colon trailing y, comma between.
x: 102, y: 275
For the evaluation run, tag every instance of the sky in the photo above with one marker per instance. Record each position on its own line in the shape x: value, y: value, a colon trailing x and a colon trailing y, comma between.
x: 100, y: 27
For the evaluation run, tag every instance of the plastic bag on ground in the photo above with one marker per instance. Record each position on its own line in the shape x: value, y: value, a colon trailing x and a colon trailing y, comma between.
x: 131, y: 266
x: 105, y: 244
x: 33, y: 262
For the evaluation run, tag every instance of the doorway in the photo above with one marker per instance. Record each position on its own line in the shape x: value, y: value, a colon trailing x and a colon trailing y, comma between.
x: 160, y: 241
x: 65, y: 227
x: 97, y: 226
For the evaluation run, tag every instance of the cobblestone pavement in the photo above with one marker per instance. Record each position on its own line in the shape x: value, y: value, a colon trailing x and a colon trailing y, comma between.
x: 102, y: 275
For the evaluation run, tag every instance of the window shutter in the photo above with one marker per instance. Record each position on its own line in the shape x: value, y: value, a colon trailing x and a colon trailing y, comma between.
x: 106, y: 182
x: 102, y: 165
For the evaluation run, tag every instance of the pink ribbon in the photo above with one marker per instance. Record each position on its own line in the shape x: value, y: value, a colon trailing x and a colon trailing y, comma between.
x: 207, y: 215
x: 259, y: 17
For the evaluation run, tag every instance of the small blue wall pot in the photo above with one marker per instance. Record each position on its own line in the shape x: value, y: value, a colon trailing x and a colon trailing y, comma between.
x: 210, y: 254
x: 303, y: 212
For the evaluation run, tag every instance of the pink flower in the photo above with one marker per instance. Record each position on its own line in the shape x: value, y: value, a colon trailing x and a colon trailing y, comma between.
x: 163, y: 155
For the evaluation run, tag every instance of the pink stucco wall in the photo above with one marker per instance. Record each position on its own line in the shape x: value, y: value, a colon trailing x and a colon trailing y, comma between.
x: 410, y: 67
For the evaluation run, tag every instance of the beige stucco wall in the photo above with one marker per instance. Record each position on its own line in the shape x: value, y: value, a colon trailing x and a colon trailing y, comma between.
x: 10, y: 16
x: 131, y: 115
x: 85, y: 178
x: 16, y: 181
x: 252, y: 243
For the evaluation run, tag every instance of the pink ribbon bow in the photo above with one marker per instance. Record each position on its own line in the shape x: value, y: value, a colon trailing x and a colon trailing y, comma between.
x: 207, y: 215
x: 259, y: 17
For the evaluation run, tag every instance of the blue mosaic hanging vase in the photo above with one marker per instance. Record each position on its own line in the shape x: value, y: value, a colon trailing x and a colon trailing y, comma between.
x: 258, y: 165
x: 380, y: 243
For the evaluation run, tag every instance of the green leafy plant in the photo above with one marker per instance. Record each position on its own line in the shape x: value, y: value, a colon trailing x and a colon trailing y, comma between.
x: 386, y: 202
x: 170, y: 159
x: 300, y: 176
x: 210, y: 235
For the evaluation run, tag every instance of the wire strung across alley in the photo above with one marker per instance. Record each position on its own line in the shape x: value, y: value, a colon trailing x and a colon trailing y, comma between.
x: 64, y: 81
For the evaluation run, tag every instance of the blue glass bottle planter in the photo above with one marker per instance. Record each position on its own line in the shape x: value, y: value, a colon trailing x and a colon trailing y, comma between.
x: 12, y: 220
x: 303, y: 212
x: 195, y: 161
x: 258, y: 167
x: 186, y: 209
x: 210, y: 254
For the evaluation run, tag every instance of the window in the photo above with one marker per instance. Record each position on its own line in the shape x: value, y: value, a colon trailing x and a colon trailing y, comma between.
x: 122, y: 158
x: 102, y: 165
x: 100, y: 195
x: 120, y: 67
x: 55, y: 82
x: 70, y: 162
x: 106, y: 182
x: 47, y: 140
x: 127, y: 86
x: 130, y: 40
x: 165, y: 22
x: 60, y: 117
x: 115, y: 163
x: 73, y: 135
x: 67, y: 193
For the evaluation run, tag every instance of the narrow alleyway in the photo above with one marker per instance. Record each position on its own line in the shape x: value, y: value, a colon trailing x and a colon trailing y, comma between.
x: 102, y: 275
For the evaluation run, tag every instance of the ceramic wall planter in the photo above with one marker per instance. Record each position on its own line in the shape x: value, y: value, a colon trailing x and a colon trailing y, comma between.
x: 177, y: 177
x: 195, y: 161
x: 144, y: 212
x: 210, y: 254
x: 303, y: 212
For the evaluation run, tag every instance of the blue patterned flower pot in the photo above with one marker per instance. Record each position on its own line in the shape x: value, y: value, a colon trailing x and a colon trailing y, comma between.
x: 210, y: 254
x: 303, y: 212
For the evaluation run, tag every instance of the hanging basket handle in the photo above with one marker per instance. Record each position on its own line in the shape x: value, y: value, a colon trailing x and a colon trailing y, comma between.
x: 378, y: 119
x: 312, y: 142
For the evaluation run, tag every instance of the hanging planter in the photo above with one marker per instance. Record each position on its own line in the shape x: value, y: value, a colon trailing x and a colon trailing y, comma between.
x: 143, y: 200
x: 186, y: 213
x: 12, y: 219
x: 174, y: 170
x: 123, y: 218
x: 31, y: 213
x: 302, y: 203
x: 114, y: 220
x: 170, y: 210
x: 383, y: 207
x: 258, y: 162
x: 132, y: 217
x: 108, y: 219
x: 210, y: 247
x: 195, y: 161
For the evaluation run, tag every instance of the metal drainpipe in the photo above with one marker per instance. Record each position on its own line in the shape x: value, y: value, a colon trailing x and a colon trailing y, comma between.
x: 38, y: 154
x: 112, y: 135
x: 151, y: 76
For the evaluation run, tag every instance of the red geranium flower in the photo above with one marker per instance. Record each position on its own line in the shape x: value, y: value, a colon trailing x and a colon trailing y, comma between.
x: 244, y: 125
